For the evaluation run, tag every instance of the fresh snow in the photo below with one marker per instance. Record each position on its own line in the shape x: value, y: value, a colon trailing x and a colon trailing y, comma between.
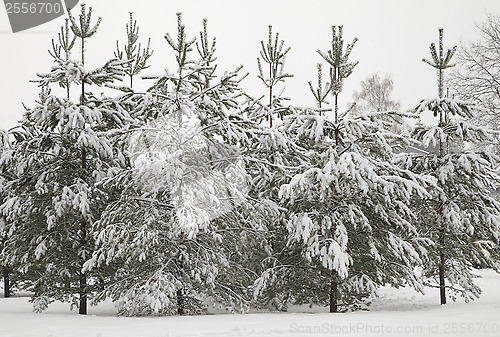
x: 397, y: 312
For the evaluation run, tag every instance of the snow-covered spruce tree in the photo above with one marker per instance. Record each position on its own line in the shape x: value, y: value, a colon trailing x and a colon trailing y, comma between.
x: 462, y: 218
x: 184, y: 231
x: 62, y: 152
x: 349, y: 226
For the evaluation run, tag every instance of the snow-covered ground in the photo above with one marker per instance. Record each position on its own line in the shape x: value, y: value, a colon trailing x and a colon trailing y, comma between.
x: 398, y: 312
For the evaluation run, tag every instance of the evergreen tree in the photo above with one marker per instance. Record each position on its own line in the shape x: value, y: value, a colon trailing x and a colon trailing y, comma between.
x: 320, y: 93
x: 62, y: 153
x: 184, y: 229
x: 275, y: 158
x: 4, y: 265
x: 133, y: 51
x: 274, y: 54
x: 349, y: 227
x: 340, y: 67
x: 462, y: 218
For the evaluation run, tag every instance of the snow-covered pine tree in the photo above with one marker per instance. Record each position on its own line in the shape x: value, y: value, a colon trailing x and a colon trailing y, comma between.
x: 275, y: 157
x: 274, y: 55
x: 5, y: 266
x: 349, y: 226
x: 133, y: 51
x: 61, y: 154
x: 185, y: 229
x: 462, y: 218
x: 337, y: 58
x: 320, y: 93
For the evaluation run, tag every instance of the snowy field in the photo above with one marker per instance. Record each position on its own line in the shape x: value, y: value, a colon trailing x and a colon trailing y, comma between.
x: 398, y: 312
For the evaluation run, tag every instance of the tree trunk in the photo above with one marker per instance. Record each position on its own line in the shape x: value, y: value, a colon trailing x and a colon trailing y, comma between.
x: 6, y: 282
x: 83, y: 294
x: 180, y: 302
x: 83, y: 242
x: 83, y: 276
x: 270, y: 97
x: 336, y: 120
x: 82, y: 97
x: 442, y: 283
x: 442, y: 260
x: 334, y: 292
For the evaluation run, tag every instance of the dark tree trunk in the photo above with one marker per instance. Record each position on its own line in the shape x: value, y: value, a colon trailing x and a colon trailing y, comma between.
x: 270, y: 98
x: 101, y: 282
x: 442, y: 283
x: 442, y: 260
x: 6, y: 282
x: 83, y: 294
x: 180, y: 302
x: 83, y: 276
x: 334, y: 295
x: 83, y: 237
x: 337, y: 138
x: 82, y: 97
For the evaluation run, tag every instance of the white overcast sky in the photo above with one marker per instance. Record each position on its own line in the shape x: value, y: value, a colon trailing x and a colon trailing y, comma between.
x: 394, y: 35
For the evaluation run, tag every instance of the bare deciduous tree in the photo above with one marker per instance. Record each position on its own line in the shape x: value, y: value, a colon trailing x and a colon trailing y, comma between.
x: 477, y: 79
x: 375, y: 94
